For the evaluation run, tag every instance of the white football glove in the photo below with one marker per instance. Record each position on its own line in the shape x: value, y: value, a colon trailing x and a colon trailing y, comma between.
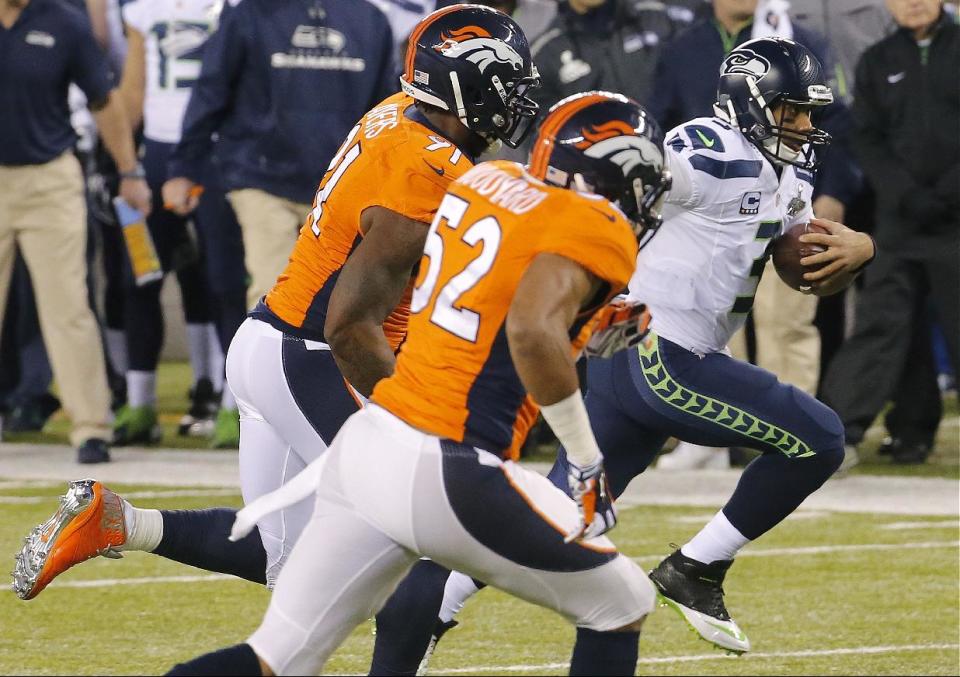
x: 588, y: 487
x: 618, y: 325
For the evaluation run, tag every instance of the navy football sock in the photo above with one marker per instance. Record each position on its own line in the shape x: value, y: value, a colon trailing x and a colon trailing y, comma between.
x: 199, y: 538
x: 406, y: 622
x: 773, y: 486
x: 234, y: 660
x: 604, y: 653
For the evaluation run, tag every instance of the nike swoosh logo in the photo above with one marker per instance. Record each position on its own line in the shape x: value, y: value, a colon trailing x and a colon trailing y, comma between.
x: 706, y: 142
x: 736, y: 634
x: 609, y: 217
x: 896, y: 77
x: 439, y: 170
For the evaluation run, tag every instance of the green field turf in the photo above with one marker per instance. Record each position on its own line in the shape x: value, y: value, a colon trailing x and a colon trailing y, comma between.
x: 824, y: 593
x: 173, y: 382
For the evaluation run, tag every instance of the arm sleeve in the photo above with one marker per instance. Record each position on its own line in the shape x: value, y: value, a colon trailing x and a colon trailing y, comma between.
x: 88, y: 64
x: 870, y: 138
x: 684, y: 191
x: 212, y: 96
x: 134, y: 15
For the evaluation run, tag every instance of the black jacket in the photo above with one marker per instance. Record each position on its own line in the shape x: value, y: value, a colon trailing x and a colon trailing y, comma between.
x: 907, y: 135
x: 614, y: 48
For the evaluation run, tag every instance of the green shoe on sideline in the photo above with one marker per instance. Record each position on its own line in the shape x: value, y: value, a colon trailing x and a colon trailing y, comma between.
x: 226, y: 430
x: 136, y: 425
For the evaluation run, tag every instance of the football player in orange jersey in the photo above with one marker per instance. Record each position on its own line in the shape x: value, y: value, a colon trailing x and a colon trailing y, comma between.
x: 516, y: 264
x: 467, y: 74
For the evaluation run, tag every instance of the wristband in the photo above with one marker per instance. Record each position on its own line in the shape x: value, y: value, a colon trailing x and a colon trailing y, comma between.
x: 137, y: 172
x: 568, y: 420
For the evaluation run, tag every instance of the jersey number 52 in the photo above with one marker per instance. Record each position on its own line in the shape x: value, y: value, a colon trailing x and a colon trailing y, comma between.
x: 446, y: 313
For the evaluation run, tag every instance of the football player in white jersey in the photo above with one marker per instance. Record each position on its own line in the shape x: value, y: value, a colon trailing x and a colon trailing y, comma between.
x: 165, y: 44
x: 740, y: 178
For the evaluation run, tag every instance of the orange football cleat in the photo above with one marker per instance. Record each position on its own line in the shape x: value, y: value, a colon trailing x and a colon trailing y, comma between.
x: 89, y: 522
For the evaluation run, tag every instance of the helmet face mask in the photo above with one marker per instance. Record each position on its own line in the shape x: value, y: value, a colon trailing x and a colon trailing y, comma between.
x: 761, y: 81
x: 609, y: 145
x: 474, y: 62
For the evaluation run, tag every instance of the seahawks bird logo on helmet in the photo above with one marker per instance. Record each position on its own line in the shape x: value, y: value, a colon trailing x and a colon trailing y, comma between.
x: 745, y: 62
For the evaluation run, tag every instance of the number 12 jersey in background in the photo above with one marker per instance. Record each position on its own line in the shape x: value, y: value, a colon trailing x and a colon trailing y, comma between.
x: 174, y: 32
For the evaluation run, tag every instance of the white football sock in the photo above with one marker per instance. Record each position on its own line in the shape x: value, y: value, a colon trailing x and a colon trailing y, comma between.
x: 144, y: 528
x: 142, y: 388
x: 117, y: 350
x: 199, y: 345
x: 718, y: 540
x: 217, y: 358
x: 459, y: 589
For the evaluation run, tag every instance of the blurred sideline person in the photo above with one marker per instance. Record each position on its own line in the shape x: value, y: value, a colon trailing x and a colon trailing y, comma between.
x: 165, y: 40
x: 850, y: 27
x: 604, y: 44
x: 515, y: 266
x: 906, y: 113
x: 740, y: 178
x: 261, y: 75
x: 48, y: 44
x: 293, y: 396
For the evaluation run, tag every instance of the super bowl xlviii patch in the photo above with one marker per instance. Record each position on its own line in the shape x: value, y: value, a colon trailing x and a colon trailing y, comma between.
x: 797, y: 203
x: 750, y: 203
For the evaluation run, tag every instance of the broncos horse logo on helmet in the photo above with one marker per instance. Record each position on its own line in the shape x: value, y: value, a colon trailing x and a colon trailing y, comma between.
x: 607, y: 144
x: 475, y: 62
x: 762, y: 74
x: 476, y: 45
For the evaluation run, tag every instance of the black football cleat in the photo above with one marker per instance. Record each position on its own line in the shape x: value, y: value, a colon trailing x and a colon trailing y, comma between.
x: 695, y: 591
x: 439, y: 630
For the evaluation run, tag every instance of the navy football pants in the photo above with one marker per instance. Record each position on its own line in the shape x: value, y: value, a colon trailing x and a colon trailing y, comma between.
x: 642, y: 396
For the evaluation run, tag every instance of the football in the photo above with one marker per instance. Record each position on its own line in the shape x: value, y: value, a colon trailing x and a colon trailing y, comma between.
x: 788, y: 250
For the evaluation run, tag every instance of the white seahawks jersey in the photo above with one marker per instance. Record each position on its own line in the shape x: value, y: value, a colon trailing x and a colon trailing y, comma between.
x: 699, y: 273
x: 174, y: 32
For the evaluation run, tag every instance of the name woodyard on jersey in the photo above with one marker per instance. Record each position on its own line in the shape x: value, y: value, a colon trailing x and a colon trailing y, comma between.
x: 516, y: 195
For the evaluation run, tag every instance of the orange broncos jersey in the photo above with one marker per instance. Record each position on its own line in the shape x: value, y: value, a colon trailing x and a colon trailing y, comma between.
x: 392, y: 159
x: 454, y: 376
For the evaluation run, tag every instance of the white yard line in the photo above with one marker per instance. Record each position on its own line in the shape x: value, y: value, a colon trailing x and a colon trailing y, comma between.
x: 706, y: 517
x: 825, y: 549
x: 854, y: 651
x: 771, y: 552
x: 146, y: 580
x: 939, y: 524
x: 172, y: 493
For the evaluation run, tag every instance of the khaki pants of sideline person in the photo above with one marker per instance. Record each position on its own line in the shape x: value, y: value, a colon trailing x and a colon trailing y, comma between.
x: 788, y: 343
x: 270, y: 226
x: 42, y: 209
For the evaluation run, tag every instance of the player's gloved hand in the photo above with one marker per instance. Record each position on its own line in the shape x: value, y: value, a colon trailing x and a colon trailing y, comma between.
x: 588, y: 486
x: 618, y: 325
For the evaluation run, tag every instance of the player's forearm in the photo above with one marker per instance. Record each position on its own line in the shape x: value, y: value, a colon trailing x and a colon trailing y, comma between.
x: 363, y: 355
x: 115, y: 131
x: 543, y: 360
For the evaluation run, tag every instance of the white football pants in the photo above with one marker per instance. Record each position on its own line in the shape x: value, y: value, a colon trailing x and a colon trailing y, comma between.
x: 389, y: 493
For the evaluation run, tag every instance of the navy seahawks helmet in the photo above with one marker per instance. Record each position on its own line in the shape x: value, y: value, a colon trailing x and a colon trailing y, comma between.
x: 758, y: 76
x: 610, y: 145
x: 475, y: 62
